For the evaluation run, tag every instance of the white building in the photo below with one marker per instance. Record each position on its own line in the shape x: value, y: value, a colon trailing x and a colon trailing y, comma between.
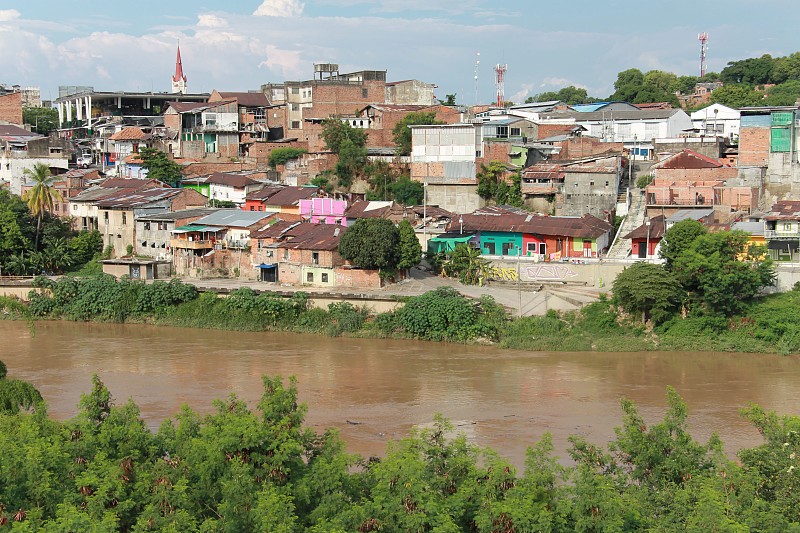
x: 443, y: 158
x: 719, y: 120
x: 636, y: 129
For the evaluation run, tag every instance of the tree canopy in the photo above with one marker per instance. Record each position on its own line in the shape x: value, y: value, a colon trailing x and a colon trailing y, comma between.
x: 372, y: 243
x: 401, y: 133
x: 410, y: 247
x: 43, y: 119
x: 679, y: 238
x: 646, y: 289
x: 160, y: 167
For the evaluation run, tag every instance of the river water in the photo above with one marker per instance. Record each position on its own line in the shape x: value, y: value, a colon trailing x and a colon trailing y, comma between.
x: 377, y: 390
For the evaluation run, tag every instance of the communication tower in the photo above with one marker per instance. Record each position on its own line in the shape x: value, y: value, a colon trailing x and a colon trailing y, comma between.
x: 703, y: 38
x: 500, y: 74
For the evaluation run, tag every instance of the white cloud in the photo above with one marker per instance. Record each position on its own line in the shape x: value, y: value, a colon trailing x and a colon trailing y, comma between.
x: 279, y: 8
x: 8, y: 14
x: 286, y: 62
x: 208, y: 20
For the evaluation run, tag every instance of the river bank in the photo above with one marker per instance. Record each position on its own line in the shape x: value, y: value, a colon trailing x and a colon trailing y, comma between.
x: 770, y: 325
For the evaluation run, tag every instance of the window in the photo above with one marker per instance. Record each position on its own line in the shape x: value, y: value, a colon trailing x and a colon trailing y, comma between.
x: 147, y: 226
x: 364, y: 92
x: 591, y: 183
x: 507, y: 248
x: 295, y: 90
x: 210, y: 119
x: 516, y: 132
x: 295, y: 107
x: 310, y: 277
x: 502, y: 132
x: 295, y: 124
x: 315, y: 258
x: 542, y: 248
x: 124, y: 218
x: 252, y: 208
x: 105, y: 216
x: 162, y: 226
x: 606, y: 184
x: 324, y: 277
x: 787, y: 226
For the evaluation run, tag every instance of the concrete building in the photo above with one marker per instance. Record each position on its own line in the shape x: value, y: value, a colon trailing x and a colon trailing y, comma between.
x: 443, y: 159
x: 22, y: 150
x: 768, y: 144
x: 206, y: 129
x: 410, y: 92
x: 154, y: 231
x: 717, y: 120
x: 636, y: 128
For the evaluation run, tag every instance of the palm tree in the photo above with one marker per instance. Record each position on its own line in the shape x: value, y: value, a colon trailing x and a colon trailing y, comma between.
x: 41, y: 197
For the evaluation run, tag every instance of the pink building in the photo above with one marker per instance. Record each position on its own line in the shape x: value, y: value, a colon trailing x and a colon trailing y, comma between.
x: 324, y: 210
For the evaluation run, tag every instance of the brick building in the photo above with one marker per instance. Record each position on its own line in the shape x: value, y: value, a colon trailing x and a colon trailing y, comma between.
x: 11, y: 108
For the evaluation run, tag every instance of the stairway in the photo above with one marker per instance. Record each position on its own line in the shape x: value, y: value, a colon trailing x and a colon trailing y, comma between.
x: 621, y: 248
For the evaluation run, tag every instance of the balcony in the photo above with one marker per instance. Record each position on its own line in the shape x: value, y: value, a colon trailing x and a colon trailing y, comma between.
x: 541, y: 188
x: 231, y: 127
x: 186, y: 244
x: 781, y: 234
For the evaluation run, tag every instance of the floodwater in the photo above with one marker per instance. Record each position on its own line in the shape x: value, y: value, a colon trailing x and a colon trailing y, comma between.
x: 377, y: 390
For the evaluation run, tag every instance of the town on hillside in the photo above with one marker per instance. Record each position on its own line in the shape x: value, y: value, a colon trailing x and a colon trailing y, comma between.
x: 265, y: 184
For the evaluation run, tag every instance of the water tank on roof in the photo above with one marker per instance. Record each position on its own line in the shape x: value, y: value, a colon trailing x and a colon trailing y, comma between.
x: 325, y: 70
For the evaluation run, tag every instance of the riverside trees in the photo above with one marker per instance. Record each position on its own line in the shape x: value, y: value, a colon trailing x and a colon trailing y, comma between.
x: 262, y: 469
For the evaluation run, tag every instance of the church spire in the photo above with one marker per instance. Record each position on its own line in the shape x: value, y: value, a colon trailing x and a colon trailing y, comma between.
x: 179, y: 78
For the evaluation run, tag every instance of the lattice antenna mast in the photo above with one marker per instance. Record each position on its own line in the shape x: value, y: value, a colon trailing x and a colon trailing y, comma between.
x: 703, y: 38
x: 500, y: 74
x: 477, y: 64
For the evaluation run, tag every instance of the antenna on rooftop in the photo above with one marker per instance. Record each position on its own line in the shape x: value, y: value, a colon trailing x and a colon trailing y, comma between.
x: 500, y: 74
x: 703, y: 38
x: 477, y: 63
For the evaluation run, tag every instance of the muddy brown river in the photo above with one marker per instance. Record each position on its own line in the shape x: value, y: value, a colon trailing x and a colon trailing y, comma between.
x: 377, y: 390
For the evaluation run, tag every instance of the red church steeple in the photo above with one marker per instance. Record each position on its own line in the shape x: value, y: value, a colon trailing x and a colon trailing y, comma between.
x: 179, y: 78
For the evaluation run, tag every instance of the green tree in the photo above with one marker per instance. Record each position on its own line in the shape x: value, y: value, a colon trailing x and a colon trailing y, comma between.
x: 679, y: 238
x: 371, y: 243
x: 17, y: 229
x: 786, y: 68
x: 335, y: 132
x: 721, y: 272
x: 410, y: 248
x: 752, y: 71
x: 351, y: 164
x: 649, y: 290
x: 279, y: 156
x: 489, y: 178
x: 43, y: 119
x: 408, y: 192
x: 685, y: 84
x: 401, y: 133
x: 449, y: 100
x: 160, y: 167
x: 628, y: 85
x: 785, y: 94
x: 737, y: 96
x: 41, y: 197
x: 85, y: 246
x: 16, y: 395
x: 465, y: 263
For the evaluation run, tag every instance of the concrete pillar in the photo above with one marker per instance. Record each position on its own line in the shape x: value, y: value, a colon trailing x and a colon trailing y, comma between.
x: 147, y: 103
x: 78, y: 109
x: 119, y: 102
x: 60, y: 107
x: 89, y: 111
x: 68, y: 105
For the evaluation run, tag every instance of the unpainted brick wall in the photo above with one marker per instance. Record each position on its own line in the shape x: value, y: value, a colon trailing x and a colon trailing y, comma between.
x: 11, y: 108
x: 754, y: 147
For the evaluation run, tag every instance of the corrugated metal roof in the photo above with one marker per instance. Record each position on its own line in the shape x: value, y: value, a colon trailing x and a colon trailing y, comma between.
x: 233, y: 218
x: 504, y: 220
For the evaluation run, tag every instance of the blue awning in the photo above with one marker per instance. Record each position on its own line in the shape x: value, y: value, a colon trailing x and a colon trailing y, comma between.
x: 264, y: 265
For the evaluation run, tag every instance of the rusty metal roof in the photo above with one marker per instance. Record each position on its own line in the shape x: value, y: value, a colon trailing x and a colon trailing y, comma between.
x: 237, y: 181
x: 784, y: 210
x: 657, y: 228
x: 308, y: 236
x: 139, y: 198
x: 505, y: 220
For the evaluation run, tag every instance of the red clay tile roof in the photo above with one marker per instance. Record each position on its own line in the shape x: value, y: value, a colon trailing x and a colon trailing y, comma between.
x: 504, y: 220
x: 657, y: 225
x: 655, y: 105
x: 131, y: 133
x: 688, y: 159
x: 236, y: 181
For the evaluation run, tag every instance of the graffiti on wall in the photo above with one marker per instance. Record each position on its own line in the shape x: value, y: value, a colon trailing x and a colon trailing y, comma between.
x: 548, y: 272
x: 503, y: 274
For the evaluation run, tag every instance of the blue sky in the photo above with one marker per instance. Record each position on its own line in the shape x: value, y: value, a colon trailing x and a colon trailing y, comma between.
x: 240, y: 44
